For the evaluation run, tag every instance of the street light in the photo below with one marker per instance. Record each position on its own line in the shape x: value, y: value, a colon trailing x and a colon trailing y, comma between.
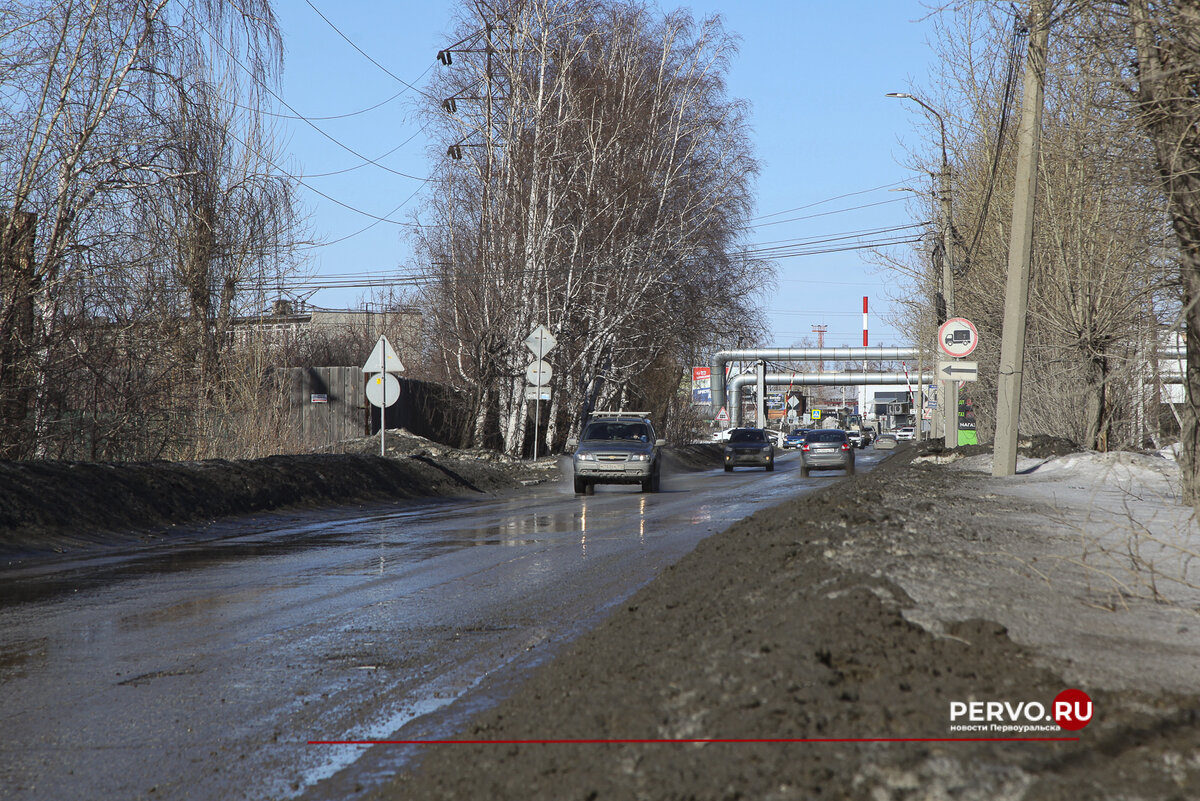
x: 948, y: 397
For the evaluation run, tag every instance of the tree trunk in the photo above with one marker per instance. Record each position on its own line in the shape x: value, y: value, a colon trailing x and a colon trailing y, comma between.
x: 18, y: 285
x: 1167, y: 73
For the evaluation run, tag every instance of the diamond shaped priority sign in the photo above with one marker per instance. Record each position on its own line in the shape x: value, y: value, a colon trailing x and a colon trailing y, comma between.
x: 540, y: 341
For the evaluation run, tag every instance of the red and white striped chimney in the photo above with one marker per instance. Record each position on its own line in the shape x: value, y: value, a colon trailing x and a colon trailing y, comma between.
x: 864, y: 321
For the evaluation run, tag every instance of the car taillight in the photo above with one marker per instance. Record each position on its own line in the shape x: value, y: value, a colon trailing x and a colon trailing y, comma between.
x: 804, y: 447
x: 845, y: 446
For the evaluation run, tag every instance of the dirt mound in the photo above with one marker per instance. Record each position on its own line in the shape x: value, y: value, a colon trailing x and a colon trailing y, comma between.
x: 50, y: 507
x: 760, y: 638
x: 1039, y: 446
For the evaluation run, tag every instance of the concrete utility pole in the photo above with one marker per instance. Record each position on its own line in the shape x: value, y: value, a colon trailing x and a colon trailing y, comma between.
x: 1016, y: 291
x: 948, y: 396
x: 820, y: 330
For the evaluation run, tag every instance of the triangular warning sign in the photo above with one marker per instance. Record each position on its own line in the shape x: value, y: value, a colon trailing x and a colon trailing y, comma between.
x: 383, y: 359
x: 723, y: 415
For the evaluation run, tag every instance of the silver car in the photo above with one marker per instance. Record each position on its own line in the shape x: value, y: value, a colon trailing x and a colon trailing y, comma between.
x: 826, y: 449
x: 886, y: 442
x: 617, y: 448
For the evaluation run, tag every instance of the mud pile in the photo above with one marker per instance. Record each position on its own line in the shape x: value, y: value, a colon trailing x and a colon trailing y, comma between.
x: 52, y: 507
x: 760, y: 637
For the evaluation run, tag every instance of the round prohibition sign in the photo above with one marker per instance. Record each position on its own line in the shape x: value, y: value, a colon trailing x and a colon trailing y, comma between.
x: 957, y: 337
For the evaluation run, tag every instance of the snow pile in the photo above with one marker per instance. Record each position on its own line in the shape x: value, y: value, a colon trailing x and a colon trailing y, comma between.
x: 1126, y: 520
x: 982, y: 463
x: 1136, y: 472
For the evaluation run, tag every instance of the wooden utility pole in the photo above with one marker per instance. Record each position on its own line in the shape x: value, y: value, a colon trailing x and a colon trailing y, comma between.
x: 1016, y: 292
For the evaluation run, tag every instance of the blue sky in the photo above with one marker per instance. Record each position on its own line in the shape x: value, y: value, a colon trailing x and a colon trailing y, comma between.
x: 814, y: 72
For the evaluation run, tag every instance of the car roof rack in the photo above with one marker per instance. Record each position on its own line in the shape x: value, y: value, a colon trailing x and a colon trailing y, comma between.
x: 642, y: 415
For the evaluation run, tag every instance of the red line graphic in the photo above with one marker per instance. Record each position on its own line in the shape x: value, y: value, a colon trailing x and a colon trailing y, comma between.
x: 709, y: 740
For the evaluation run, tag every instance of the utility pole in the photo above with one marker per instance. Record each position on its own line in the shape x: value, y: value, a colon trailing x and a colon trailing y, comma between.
x: 949, y: 393
x: 820, y: 330
x: 947, y: 412
x: 1016, y: 290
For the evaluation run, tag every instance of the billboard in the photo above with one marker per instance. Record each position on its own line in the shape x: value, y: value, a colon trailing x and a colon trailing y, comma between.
x: 702, y: 386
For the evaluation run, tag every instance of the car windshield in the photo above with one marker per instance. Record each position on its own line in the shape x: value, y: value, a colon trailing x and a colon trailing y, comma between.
x: 616, y: 431
x: 748, y: 435
x: 827, y: 436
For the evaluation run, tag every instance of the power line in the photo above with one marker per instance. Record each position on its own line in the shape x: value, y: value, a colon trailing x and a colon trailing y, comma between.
x: 803, y: 251
x: 1010, y: 83
x: 830, y: 200
x: 363, y: 164
x: 787, y: 245
x: 301, y: 117
x: 842, y: 234
x: 828, y: 213
x: 365, y: 55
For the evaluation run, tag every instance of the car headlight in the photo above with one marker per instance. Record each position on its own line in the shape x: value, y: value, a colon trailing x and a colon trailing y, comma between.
x: 586, y: 457
x: 639, y: 457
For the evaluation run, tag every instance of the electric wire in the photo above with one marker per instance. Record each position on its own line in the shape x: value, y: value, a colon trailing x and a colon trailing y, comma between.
x: 828, y: 213
x: 301, y: 117
x: 829, y: 200
x: 300, y: 179
x: 365, y: 55
x: 1010, y: 82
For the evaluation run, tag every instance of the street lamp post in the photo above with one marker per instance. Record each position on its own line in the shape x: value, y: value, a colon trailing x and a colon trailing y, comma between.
x: 948, y: 397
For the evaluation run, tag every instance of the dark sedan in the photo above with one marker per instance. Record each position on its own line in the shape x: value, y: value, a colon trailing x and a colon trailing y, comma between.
x: 749, y: 447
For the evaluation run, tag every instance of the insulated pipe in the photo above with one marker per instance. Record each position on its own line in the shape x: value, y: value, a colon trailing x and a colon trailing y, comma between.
x: 720, y: 397
x: 738, y: 383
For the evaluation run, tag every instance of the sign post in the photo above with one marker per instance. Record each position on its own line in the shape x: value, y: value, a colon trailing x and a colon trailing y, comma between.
x: 385, y: 389
x: 957, y: 337
x: 540, y: 342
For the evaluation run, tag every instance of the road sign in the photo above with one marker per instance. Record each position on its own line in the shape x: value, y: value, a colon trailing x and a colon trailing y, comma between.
x: 383, y: 388
x: 723, y: 415
x: 540, y: 341
x: 383, y: 359
x: 536, y: 393
x: 958, y: 371
x: 957, y: 337
x: 538, y: 373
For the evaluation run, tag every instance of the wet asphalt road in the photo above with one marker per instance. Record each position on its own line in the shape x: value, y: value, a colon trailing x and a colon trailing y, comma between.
x: 205, y: 671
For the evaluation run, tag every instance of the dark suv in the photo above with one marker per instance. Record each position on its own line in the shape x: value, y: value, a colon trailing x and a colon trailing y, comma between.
x: 617, y: 448
x: 750, y: 447
x: 826, y: 449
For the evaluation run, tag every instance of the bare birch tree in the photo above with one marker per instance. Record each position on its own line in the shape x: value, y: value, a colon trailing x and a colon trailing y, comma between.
x: 1098, y: 270
x: 1166, y: 40
x: 120, y: 140
x: 605, y: 198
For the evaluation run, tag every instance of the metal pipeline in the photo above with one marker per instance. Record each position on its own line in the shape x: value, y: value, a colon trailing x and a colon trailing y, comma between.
x: 738, y: 383
x: 721, y: 396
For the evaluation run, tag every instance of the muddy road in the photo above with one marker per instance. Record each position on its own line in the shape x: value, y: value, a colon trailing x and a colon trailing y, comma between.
x: 203, y: 670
